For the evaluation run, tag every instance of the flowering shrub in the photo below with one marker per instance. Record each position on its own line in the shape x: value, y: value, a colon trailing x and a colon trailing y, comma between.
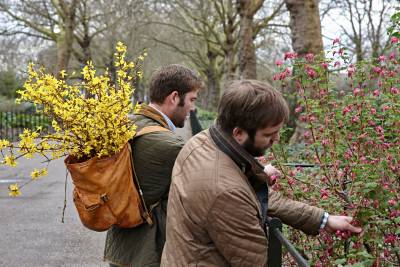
x: 352, y: 139
x: 89, y: 119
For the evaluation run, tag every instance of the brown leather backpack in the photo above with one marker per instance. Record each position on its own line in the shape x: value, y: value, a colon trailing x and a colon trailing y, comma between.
x: 107, y: 191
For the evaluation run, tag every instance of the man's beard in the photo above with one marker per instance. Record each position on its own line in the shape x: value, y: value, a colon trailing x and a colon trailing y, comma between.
x: 248, y: 145
x: 178, y: 117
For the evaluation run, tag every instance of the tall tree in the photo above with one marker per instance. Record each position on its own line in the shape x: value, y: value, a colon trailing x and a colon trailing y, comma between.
x: 49, y: 20
x: 209, y: 30
x: 305, y: 26
x: 247, y: 52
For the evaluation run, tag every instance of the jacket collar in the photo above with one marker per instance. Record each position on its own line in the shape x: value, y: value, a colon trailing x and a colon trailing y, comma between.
x: 171, y: 125
x: 253, y: 170
x: 153, y: 114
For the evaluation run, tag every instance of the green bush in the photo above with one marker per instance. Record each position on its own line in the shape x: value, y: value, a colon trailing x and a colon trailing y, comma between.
x: 352, y: 138
x: 9, y: 84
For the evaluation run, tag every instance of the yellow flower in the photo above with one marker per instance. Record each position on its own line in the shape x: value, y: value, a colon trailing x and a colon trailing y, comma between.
x: 63, y: 74
x: 35, y: 174
x: 13, y: 190
x: 82, y: 125
x: 4, y: 143
x: 10, y: 161
x: 43, y: 172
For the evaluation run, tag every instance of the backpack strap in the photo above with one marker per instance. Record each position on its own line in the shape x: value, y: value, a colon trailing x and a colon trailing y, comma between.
x: 146, y: 212
x: 151, y: 129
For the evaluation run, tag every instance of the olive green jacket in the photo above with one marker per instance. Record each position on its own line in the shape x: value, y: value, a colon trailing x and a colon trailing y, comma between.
x: 154, y: 155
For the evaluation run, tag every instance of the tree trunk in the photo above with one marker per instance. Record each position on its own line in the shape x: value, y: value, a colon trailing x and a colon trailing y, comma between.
x: 66, y: 37
x: 247, y: 52
x: 305, y: 25
x: 213, y: 82
x: 230, y: 47
x: 86, y: 40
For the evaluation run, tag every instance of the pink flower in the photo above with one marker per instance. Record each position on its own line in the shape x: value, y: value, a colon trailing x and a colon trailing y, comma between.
x: 394, y: 90
x: 298, y: 109
x: 363, y: 160
x: 273, y: 179
x: 341, y: 50
x: 376, y: 92
x: 386, y: 252
x: 385, y: 107
x: 291, y: 181
x: 337, y: 63
x: 310, y: 57
x: 373, y: 111
x: 350, y: 71
x: 379, y: 129
x: 325, y: 65
x: 392, y: 202
x: 382, y: 58
x: 377, y: 70
x: 392, y: 56
x: 279, y: 62
x: 394, y: 214
x: 324, y: 193
x: 290, y: 55
x: 394, y: 40
x: 356, y: 91
x: 357, y: 245
x: 311, y: 72
x: 307, y: 134
x: 325, y: 142
x: 336, y: 40
x: 355, y: 119
x: 282, y: 75
x: 390, y: 239
x: 346, y: 110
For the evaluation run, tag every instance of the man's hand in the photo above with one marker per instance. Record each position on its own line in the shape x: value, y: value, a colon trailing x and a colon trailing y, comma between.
x: 341, y: 223
x: 273, y: 173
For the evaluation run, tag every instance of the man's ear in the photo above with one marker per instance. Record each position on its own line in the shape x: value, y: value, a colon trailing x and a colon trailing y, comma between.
x: 173, y: 98
x: 239, y: 135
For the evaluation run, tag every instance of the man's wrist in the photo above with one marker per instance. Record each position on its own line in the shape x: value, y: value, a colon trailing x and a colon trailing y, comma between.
x: 324, y: 221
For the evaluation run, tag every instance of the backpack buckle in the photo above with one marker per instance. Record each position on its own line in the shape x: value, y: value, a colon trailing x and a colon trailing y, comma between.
x: 104, y: 197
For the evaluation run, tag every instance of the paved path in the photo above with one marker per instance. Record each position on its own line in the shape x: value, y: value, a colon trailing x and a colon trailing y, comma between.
x: 31, y: 232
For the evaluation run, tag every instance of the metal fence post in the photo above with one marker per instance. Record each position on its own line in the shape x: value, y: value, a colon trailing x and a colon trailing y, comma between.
x: 274, y: 244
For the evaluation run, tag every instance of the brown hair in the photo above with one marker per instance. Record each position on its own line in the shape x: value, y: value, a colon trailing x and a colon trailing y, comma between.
x: 251, y: 105
x: 173, y: 78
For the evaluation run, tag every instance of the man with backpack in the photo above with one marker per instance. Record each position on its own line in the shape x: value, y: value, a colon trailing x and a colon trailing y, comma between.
x: 173, y: 91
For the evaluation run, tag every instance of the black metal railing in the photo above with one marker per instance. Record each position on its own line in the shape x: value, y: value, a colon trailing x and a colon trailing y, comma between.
x: 13, y: 123
x: 275, y: 241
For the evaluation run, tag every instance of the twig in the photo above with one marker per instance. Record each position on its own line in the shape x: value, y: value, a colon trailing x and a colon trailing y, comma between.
x: 65, y: 195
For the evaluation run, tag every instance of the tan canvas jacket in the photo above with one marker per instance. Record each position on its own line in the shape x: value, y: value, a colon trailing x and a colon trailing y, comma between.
x: 214, y: 215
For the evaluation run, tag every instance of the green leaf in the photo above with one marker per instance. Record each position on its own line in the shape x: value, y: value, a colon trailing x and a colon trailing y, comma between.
x: 340, y: 261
